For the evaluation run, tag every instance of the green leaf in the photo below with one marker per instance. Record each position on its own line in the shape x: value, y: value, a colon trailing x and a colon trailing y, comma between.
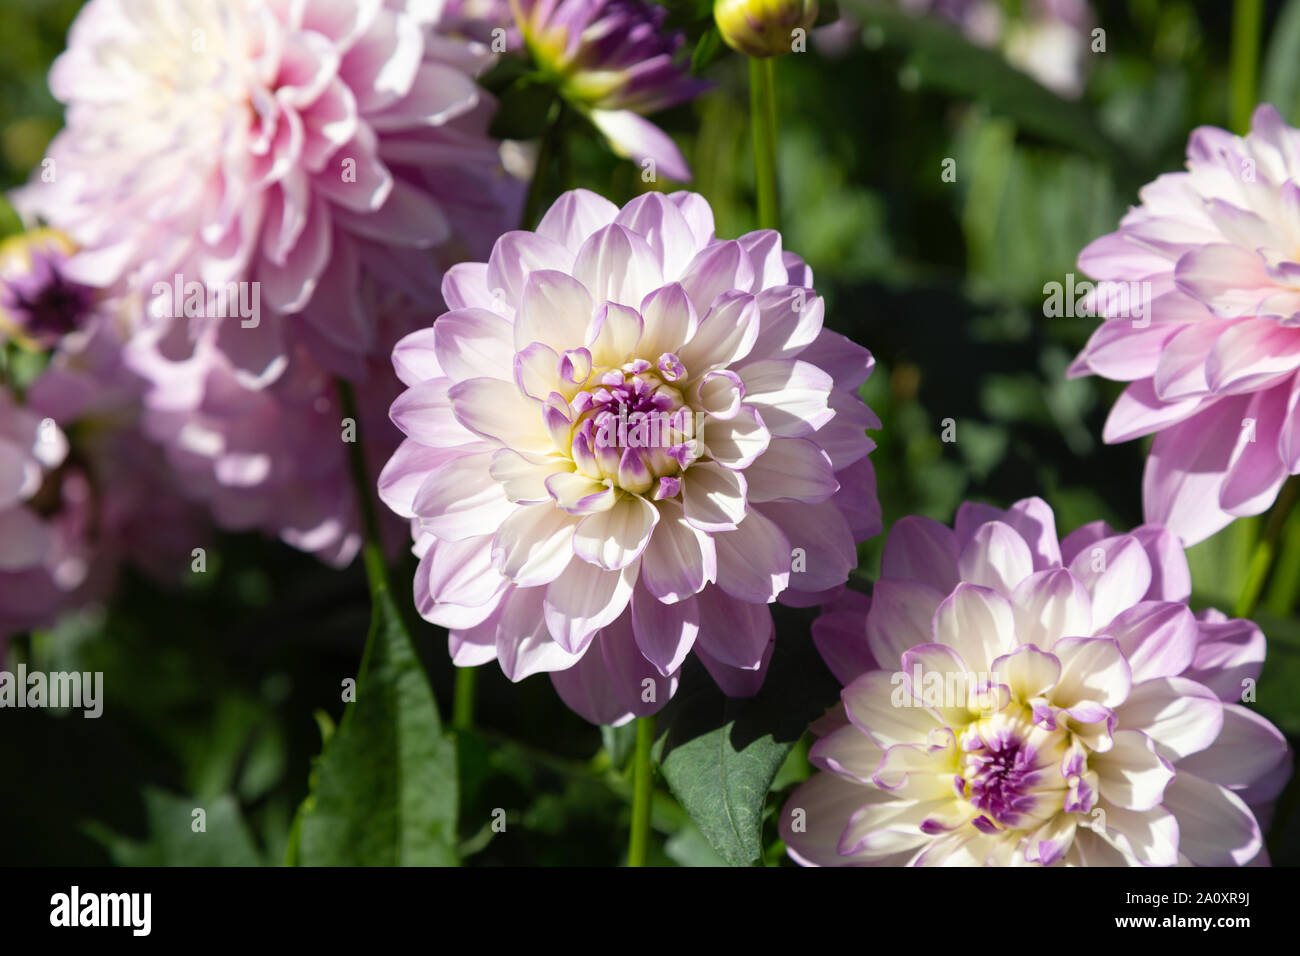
x: 1281, y: 74
x: 1275, y: 695
x: 385, y: 788
x: 720, y: 755
x: 173, y: 839
x: 707, y: 50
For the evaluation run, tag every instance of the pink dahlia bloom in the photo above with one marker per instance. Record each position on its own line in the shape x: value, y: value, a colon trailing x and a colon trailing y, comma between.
x: 1212, y: 361
x: 614, y: 60
x: 271, y: 459
x: 625, y: 440
x: 1014, y: 699
x: 286, y: 146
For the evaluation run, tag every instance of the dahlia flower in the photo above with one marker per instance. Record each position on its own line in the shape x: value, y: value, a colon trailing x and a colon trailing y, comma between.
x: 613, y: 60
x: 1014, y: 699
x: 38, y: 303
x: 1212, y: 361
x: 625, y: 440
x: 271, y: 459
x: 284, y: 147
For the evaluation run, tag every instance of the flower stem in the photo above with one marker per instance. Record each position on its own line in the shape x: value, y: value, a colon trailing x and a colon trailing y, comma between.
x: 462, y: 711
x: 1284, y: 585
x: 546, y: 153
x: 1261, y: 562
x: 638, y: 843
x: 762, y: 106
x: 372, y: 552
x: 1247, y: 16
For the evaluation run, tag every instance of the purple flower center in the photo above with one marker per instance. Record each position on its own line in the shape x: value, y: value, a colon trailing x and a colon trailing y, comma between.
x: 633, y: 427
x: 999, y: 774
x: 45, y: 304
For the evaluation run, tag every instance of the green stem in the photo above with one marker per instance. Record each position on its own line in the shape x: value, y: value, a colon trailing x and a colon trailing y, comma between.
x: 462, y: 713
x: 1247, y: 17
x: 372, y: 552
x: 638, y: 844
x: 762, y: 107
x: 546, y: 153
x: 1285, y: 583
x: 1261, y: 562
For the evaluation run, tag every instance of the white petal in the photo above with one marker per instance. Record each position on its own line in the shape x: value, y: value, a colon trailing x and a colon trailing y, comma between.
x: 534, y: 545
x: 976, y: 622
x: 584, y: 599
x: 713, y: 496
x: 617, y: 536
x: 1131, y: 773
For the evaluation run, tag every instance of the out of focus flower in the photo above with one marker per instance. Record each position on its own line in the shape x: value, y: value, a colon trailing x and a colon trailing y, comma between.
x: 38, y: 302
x: 490, y: 22
x: 613, y: 60
x: 42, y: 513
x: 1014, y: 699
x: 1051, y: 41
x: 269, y: 154
x: 625, y: 440
x: 763, y: 28
x: 81, y: 490
x: 1048, y: 39
x: 272, y: 459
x: 1212, y: 348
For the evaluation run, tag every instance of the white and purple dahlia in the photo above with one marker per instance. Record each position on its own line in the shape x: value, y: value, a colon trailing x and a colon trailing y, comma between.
x: 294, y: 145
x: 625, y: 440
x: 614, y: 60
x: 1212, y: 352
x: 1011, y: 698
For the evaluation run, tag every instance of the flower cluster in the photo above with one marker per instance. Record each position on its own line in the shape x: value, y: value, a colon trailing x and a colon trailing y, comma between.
x: 1011, y: 698
x: 297, y: 178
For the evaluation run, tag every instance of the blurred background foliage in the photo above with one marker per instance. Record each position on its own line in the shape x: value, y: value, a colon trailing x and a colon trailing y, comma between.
x: 211, y: 691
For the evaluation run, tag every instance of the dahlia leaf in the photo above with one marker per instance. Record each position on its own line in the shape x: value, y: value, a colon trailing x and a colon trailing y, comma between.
x: 180, y: 836
x: 720, y: 755
x: 385, y: 789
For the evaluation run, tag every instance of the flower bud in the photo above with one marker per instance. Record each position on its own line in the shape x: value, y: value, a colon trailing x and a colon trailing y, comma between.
x: 764, y: 28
